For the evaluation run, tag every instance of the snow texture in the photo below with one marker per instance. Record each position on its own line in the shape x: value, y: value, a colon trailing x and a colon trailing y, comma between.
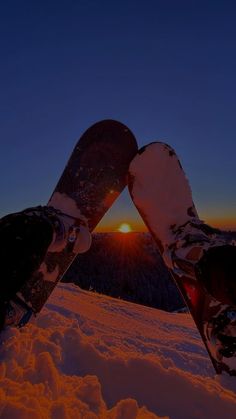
x: 90, y: 356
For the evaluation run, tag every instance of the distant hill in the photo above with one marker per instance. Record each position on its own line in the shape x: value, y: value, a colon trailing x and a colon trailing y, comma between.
x: 126, y: 266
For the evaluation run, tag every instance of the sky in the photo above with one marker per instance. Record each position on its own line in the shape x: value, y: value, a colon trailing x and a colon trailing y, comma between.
x: 165, y: 68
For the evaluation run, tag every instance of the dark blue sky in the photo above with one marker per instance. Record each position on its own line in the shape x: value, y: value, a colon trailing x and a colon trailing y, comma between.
x: 165, y: 68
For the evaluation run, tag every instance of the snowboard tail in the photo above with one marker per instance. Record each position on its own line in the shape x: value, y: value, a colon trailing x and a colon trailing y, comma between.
x: 93, y: 178
x: 162, y: 195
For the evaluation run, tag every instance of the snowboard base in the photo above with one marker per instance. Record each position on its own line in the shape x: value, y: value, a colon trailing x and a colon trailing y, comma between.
x: 93, y: 178
x: 162, y: 195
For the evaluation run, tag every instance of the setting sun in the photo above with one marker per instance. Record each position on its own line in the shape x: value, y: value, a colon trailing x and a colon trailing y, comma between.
x: 125, y: 228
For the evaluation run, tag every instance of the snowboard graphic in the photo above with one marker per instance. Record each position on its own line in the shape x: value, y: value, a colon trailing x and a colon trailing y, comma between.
x: 162, y: 195
x: 93, y: 178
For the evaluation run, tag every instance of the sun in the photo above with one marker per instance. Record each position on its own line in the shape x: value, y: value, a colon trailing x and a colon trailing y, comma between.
x: 125, y: 228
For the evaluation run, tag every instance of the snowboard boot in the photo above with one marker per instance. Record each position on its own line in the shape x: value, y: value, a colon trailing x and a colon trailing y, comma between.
x: 199, y: 251
x: 25, y: 238
x: 216, y: 270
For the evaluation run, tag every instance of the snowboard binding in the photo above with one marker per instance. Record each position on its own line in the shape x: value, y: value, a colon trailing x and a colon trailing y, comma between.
x: 31, y: 233
x: 68, y: 231
x: 221, y: 331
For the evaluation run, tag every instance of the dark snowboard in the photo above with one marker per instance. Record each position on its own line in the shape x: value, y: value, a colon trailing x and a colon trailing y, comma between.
x: 93, y: 178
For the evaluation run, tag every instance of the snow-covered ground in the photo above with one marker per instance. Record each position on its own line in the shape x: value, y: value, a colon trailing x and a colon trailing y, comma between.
x: 89, y: 356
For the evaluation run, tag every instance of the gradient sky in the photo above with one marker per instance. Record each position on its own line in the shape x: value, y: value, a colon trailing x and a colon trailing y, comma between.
x: 165, y: 68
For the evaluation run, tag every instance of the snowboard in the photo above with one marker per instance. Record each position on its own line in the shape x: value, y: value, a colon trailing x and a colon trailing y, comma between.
x: 160, y: 203
x: 93, y: 178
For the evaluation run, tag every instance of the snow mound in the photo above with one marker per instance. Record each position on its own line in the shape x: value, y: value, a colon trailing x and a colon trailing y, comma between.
x: 90, y: 356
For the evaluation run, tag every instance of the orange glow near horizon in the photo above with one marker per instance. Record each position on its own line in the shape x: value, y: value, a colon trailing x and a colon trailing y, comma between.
x: 137, y: 225
x: 125, y: 228
x: 221, y: 223
x: 109, y: 227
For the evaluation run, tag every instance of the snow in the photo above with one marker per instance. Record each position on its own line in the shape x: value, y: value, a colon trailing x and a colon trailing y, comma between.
x: 90, y: 356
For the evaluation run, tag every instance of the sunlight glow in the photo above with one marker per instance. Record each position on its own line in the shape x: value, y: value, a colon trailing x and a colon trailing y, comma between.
x: 125, y: 228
